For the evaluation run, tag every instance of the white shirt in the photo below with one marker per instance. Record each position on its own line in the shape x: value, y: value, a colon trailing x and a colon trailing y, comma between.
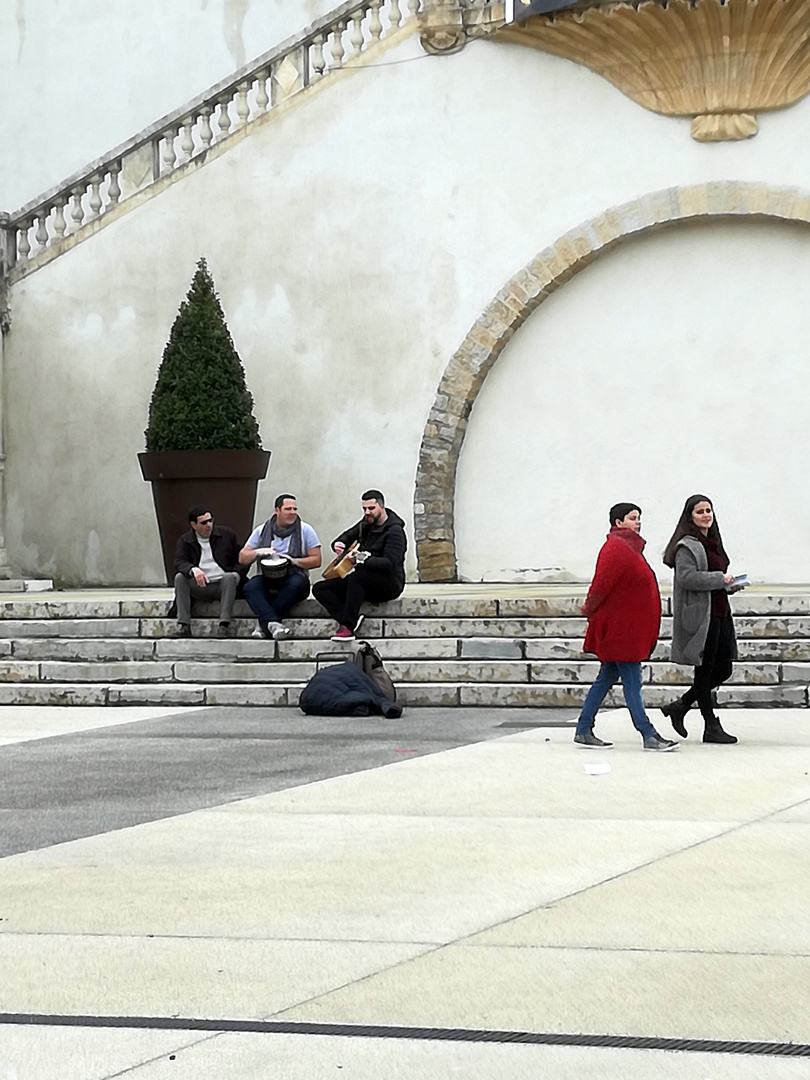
x: 208, y: 564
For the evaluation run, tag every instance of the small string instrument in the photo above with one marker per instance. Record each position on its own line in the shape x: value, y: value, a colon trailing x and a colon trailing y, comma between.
x: 341, y: 565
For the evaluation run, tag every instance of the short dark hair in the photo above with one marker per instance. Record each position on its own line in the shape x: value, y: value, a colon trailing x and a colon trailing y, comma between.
x: 280, y: 500
x: 372, y: 493
x: 198, y: 511
x: 620, y: 511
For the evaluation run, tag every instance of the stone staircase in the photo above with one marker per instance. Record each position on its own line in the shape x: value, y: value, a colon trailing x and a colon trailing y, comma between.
x: 475, y: 645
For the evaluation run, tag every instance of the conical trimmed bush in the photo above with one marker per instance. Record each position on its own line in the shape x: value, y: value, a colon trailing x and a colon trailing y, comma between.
x: 200, y: 400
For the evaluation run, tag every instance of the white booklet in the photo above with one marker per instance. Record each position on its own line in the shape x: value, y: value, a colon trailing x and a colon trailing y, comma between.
x: 740, y: 581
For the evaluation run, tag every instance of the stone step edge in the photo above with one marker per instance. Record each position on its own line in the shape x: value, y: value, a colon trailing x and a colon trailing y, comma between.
x: 763, y: 650
x: 32, y: 604
x: 271, y: 670
x: 413, y: 695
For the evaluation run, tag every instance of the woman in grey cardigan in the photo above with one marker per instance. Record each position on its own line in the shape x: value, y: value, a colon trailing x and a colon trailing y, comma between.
x: 702, y: 627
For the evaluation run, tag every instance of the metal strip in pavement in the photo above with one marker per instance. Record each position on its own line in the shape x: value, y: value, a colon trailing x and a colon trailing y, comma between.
x: 384, y: 1031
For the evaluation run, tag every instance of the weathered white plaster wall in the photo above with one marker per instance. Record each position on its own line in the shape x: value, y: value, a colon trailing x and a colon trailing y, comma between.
x: 676, y: 364
x: 354, y: 240
x: 78, y: 78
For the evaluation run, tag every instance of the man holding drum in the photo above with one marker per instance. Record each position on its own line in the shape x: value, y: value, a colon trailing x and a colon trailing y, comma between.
x: 287, y: 548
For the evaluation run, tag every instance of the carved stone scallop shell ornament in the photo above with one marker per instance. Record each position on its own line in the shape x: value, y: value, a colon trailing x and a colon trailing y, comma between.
x: 718, y: 62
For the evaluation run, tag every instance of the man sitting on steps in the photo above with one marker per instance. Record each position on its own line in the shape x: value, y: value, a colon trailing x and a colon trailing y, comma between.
x: 282, y: 534
x: 206, y: 563
x: 379, y: 565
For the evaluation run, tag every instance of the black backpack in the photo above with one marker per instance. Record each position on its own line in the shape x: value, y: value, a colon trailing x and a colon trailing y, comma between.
x: 369, y: 660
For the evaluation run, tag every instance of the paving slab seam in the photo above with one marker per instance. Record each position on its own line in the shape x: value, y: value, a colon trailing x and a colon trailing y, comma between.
x: 276, y: 939
x: 625, y: 873
x: 641, y: 949
x: 181, y: 1048
x: 383, y: 1031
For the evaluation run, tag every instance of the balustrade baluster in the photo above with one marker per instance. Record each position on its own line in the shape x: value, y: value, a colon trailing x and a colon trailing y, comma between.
x: 413, y: 7
x: 357, y: 32
x: 114, y: 188
x: 338, y: 51
x: 317, y: 62
x: 224, y: 121
x: 42, y: 230
x: 187, y: 142
x: 169, y: 157
x: 394, y: 15
x: 242, y: 107
x: 95, y: 198
x: 375, y: 25
x: 206, y: 134
x: 23, y: 246
x: 262, y: 97
x: 77, y: 213
x: 59, y: 224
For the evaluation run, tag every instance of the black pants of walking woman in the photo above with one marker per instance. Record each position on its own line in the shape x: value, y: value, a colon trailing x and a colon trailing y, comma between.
x: 718, y: 654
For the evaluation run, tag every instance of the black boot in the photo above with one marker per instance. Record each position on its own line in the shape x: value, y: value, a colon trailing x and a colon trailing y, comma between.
x: 676, y: 711
x: 713, y: 732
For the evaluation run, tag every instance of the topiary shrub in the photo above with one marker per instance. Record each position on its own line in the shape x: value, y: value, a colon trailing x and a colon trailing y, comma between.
x: 200, y: 400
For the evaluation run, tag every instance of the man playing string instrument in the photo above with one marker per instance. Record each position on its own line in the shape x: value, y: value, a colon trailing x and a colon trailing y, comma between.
x: 378, y: 561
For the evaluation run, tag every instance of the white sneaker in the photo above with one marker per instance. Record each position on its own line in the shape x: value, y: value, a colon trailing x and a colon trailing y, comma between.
x: 279, y: 630
x: 258, y: 632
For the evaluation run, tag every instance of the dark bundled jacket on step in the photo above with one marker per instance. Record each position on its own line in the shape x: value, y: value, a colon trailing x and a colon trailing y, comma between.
x: 345, y: 690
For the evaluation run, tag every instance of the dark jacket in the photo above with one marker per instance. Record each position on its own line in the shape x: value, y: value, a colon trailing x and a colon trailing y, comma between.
x: 345, y: 690
x: 623, y: 606
x: 387, y: 544
x: 224, y: 548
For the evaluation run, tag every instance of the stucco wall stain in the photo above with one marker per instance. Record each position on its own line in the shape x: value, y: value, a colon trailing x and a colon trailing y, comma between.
x: 233, y: 22
x: 19, y: 14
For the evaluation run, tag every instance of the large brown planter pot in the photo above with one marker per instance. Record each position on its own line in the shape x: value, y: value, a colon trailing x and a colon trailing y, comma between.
x: 224, y: 481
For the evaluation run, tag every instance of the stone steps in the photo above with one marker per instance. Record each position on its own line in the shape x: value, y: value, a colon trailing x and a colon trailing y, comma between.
x: 267, y: 670
x: 493, y: 695
x: 462, y: 646
x: 91, y: 650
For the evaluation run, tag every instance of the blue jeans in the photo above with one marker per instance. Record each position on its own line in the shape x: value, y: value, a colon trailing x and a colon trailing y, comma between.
x: 609, y: 674
x: 273, y: 606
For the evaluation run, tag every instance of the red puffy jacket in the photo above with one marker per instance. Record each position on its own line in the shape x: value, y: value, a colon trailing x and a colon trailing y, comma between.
x: 623, y: 606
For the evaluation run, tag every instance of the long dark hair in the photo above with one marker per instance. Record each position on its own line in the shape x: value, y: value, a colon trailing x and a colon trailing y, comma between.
x: 687, y: 527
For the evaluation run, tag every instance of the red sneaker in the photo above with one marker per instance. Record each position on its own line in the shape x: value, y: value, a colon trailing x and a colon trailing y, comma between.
x: 343, y: 634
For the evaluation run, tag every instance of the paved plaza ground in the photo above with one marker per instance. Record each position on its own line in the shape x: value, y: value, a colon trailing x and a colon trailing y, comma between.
x: 250, y: 893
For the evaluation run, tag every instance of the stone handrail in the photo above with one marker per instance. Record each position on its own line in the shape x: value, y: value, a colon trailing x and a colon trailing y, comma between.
x: 47, y: 225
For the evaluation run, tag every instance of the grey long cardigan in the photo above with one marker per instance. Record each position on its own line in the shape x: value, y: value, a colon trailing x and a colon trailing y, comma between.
x: 692, y: 601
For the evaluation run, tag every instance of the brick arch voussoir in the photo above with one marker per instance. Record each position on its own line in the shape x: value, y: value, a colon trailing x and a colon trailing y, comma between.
x: 446, y: 426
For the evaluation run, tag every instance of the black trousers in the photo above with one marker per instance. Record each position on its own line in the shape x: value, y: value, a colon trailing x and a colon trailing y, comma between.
x: 718, y: 654
x: 342, y: 597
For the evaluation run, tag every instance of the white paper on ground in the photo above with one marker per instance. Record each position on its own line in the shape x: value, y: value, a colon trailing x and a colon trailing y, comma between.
x: 596, y: 769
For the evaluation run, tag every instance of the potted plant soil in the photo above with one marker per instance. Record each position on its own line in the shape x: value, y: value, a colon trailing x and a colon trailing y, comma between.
x: 202, y: 441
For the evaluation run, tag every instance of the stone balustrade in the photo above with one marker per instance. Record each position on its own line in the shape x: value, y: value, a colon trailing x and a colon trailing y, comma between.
x: 52, y: 222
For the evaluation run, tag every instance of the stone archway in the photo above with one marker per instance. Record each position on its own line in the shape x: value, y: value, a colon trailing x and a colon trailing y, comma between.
x: 464, y: 375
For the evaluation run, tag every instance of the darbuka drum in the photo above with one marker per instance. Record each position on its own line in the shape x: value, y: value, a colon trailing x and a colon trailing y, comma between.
x: 274, y: 568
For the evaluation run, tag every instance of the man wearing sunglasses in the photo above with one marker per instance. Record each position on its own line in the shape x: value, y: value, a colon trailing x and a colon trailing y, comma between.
x: 206, y: 566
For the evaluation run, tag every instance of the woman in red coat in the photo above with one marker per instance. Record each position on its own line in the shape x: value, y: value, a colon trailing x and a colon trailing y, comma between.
x: 623, y: 609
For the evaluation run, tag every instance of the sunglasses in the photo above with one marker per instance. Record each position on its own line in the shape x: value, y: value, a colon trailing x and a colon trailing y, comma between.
x: 206, y: 521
